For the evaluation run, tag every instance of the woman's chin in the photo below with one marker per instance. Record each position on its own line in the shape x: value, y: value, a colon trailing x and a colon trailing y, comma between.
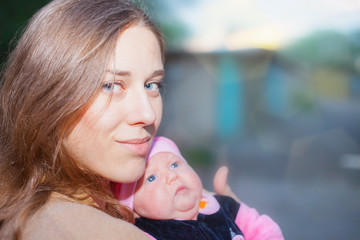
x: 125, y: 177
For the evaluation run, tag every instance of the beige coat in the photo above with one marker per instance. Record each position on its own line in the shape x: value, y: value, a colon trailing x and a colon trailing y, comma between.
x: 62, y: 219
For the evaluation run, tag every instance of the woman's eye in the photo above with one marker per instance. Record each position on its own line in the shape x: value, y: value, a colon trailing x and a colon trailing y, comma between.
x: 112, y: 87
x: 174, y: 165
x: 153, y: 86
x: 151, y: 178
x: 108, y: 86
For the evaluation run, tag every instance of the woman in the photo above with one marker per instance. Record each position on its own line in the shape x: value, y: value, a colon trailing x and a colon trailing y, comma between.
x: 80, y: 105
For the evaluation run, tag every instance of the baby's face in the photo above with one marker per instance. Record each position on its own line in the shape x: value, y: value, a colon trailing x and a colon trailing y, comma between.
x: 169, y: 189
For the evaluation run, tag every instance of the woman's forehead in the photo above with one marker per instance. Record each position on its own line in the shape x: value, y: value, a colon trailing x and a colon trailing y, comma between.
x: 136, y: 44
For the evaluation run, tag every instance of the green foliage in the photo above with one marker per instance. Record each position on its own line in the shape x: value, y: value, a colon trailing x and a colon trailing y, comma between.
x: 15, y: 14
x: 303, y: 101
x: 322, y: 48
x: 174, y: 34
x: 13, y: 18
x: 199, y: 157
x: 163, y: 13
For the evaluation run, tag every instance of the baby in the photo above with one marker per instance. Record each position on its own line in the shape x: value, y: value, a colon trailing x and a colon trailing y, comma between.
x: 170, y: 204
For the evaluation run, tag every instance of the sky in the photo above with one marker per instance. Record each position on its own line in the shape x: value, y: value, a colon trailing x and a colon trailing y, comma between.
x: 238, y: 24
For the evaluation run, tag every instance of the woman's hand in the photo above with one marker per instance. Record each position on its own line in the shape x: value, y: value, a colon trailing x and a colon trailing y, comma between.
x: 220, y: 183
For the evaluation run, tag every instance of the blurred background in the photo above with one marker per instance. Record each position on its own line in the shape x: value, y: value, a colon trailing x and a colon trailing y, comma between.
x: 270, y: 89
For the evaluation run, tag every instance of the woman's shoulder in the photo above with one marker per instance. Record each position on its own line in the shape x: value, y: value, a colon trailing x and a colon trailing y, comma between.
x: 62, y: 219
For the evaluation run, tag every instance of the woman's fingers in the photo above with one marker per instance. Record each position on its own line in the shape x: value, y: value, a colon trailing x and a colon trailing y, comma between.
x: 220, y: 180
x: 220, y: 183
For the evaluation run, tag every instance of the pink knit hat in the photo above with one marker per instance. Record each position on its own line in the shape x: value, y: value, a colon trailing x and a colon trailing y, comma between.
x: 124, y: 192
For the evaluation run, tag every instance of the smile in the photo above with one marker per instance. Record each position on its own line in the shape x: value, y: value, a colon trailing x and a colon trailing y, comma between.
x: 139, y: 146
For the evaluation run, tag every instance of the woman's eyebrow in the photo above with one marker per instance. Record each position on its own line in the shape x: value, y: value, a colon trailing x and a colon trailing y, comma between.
x: 157, y: 73
x: 119, y: 73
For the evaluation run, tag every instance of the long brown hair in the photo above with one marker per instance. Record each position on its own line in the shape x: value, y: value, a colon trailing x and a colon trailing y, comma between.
x: 48, y: 82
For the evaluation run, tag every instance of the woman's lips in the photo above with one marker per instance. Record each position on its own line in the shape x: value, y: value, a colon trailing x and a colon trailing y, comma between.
x: 139, y: 146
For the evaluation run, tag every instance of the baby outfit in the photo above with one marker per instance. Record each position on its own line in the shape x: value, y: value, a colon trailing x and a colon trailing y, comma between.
x: 219, y: 225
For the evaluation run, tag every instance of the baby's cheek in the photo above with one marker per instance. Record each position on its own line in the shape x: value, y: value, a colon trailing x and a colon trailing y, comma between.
x: 153, y: 204
x: 197, y: 185
x: 163, y: 205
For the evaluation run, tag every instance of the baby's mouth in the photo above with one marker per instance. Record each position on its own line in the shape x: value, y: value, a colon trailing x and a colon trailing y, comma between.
x: 181, y: 189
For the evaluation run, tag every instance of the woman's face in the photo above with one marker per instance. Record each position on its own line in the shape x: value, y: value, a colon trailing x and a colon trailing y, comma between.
x: 114, y: 135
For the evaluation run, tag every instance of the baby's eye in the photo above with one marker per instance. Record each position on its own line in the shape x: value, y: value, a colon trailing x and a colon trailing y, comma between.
x: 151, y: 178
x: 153, y: 86
x: 174, y: 165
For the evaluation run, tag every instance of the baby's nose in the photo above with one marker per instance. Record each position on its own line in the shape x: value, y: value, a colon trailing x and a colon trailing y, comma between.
x: 171, y: 177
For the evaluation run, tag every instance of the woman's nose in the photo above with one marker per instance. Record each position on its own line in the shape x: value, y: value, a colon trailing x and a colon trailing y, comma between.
x: 141, y: 109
